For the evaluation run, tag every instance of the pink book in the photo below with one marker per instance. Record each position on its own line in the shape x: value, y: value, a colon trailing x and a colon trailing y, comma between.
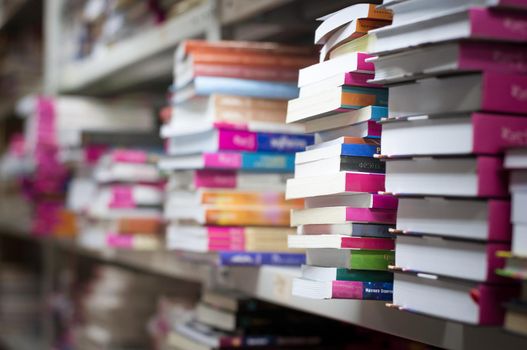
x: 496, y: 56
x: 504, y: 92
x: 129, y: 156
x: 367, y: 243
x: 490, y: 24
x: 359, y: 79
x: 215, y: 179
x: 492, y: 182
x: 363, y: 182
x: 380, y: 201
x: 499, y: 214
x: 367, y: 215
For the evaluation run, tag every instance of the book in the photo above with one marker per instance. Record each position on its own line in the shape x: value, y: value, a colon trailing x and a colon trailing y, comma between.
x: 230, y: 215
x: 355, y: 200
x: 334, y: 100
x: 352, y: 62
x: 108, y: 170
x: 333, y: 148
x: 343, y: 182
x: 205, y: 86
x: 360, y: 259
x: 255, y: 161
x: 337, y: 164
x: 225, y: 179
x: 474, y: 219
x: 516, y: 318
x: 348, y: 32
x: 126, y: 196
x: 346, y: 140
x: 457, y: 300
x: 366, y: 129
x: 419, y: 10
x: 442, y: 59
x: 474, y: 23
x: 349, y: 229
x: 467, y: 177
x: 133, y: 242
x: 333, y: 82
x: 258, y: 259
x: 338, y: 19
x: 342, y: 215
x: 339, y: 242
x: 222, y: 139
x: 226, y: 197
x: 317, y: 273
x: 246, y: 47
x: 365, y: 43
x: 342, y: 289
x: 475, y: 133
x: 343, y: 119
x: 475, y: 261
x: 489, y: 92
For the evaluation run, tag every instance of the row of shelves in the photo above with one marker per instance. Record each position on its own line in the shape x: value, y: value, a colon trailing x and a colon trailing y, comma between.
x: 273, y: 284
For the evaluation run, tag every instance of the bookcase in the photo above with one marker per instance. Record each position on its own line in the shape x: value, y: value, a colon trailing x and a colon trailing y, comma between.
x: 123, y: 67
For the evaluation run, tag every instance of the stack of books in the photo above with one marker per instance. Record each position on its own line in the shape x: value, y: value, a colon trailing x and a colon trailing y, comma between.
x: 226, y: 319
x: 53, y: 142
x: 229, y: 150
x: 344, y: 224
x: 516, y: 259
x: 456, y: 76
x: 119, y: 202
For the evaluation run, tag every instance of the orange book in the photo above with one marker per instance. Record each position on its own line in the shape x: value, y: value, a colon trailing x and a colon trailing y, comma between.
x: 249, y: 102
x: 252, y: 59
x: 247, y: 198
x: 139, y: 225
x: 257, y: 216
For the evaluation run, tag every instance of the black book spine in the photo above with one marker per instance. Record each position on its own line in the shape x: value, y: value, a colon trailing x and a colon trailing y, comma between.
x: 371, y: 230
x: 362, y: 164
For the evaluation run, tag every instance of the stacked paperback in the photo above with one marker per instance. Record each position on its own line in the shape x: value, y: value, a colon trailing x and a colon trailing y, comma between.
x: 229, y: 151
x: 344, y: 223
x: 451, y: 116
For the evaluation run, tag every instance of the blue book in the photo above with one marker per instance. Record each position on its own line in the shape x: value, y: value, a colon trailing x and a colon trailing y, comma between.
x: 359, y: 150
x: 287, y: 143
x: 258, y: 259
x: 204, y: 86
x: 381, y: 96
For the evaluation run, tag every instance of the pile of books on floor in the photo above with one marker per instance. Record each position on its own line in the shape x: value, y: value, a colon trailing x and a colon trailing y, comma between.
x: 344, y: 225
x: 53, y: 141
x: 456, y: 103
x: 229, y: 151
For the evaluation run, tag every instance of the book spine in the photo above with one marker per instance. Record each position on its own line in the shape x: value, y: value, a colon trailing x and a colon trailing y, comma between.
x: 359, y: 79
x: 122, y: 197
x: 356, y: 182
x: 362, y: 164
x: 139, y: 225
x: 504, y: 92
x: 250, y: 161
x: 362, y: 290
x: 367, y: 243
x: 488, y: 24
x: 492, y: 180
x: 358, y: 99
x: 239, y: 115
x: 129, y: 156
x: 377, y: 260
x: 371, y: 230
x: 268, y: 142
x: 495, y: 57
x: 380, y: 14
x: 244, y: 102
x: 237, y: 140
x: 258, y: 259
x: 215, y: 179
x: 490, y: 299
x: 364, y: 276
x: 493, y: 134
x: 377, y: 216
x: 384, y: 201
x: 244, y: 87
x: 495, y: 262
x: 240, y: 198
x: 119, y: 241
x: 252, y: 60
x: 247, y: 217
x: 255, y: 73
x: 360, y: 150
x: 499, y: 224
x: 226, y: 246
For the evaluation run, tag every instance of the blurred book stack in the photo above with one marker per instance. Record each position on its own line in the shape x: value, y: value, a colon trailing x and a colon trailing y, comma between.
x: 455, y: 71
x: 229, y: 150
x: 20, y: 303
x: 116, y: 304
x: 344, y: 225
x: 53, y: 142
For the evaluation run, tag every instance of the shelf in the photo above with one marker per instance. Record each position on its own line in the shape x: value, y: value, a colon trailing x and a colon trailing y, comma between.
x: 273, y: 284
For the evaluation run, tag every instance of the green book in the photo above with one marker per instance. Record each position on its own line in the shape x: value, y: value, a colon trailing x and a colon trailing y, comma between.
x: 375, y: 260
x: 318, y: 273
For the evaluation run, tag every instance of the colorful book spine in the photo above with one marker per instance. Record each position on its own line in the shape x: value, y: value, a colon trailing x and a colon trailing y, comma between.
x: 250, y: 161
x: 507, y: 25
x: 354, y: 97
x: 258, y: 259
x: 362, y: 182
x: 205, y: 86
x: 367, y: 243
x: 502, y: 57
x: 245, y: 198
x: 493, y: 134
x: 252, y: 59
x: 130, y: 156
x: 238, y: 140
x: 362, y: 164
x: 367, y: 215
x: 363, y: 276
x: 368, y: 129
x: 371, y: 230
x: 504, y: 92
x: 263, y: 216
x: 362, y: 290
x: 245, y: 72
x: 377, y: 260
x: 359, y: 79
x: 135, y: 242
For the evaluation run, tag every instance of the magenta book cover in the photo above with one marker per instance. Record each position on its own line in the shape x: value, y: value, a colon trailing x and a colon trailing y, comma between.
x: 487, y: 56
x: 368, y: 243
x: 492, y: 178
x: 384, y: 201
x: 490, y: 299
x: 237, y: 140
x: 499, y: 226
x: 509, y: 25
x: 495, y: 133
x: 364, y: 182
x: 359, y: 79
x: 504, y: 92
x: 215, y: 179
x: 367, y: 215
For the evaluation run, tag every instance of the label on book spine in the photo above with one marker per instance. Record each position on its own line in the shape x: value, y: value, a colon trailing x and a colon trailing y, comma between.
x: 362, y: 164
x: 362, y: 290
x: 372, y: 259
x: 257, y: 259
